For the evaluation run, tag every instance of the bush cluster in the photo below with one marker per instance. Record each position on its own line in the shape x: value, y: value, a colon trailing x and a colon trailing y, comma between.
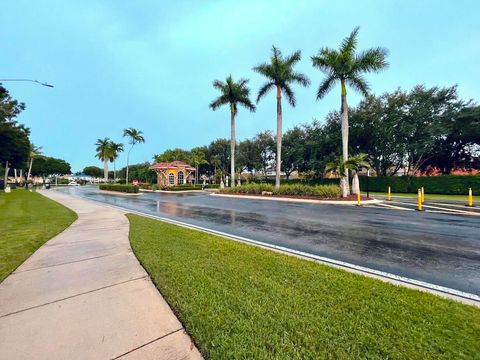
x: 444, y: 184
x: 131, y: 189
x: 321, y: 191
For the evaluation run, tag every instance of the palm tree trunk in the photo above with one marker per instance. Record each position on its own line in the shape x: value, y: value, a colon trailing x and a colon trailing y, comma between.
x: 279, y: 138
x: 5, y: 181
x: 128, y: 157
x: 30, y: 169
x: 345, y: 132
x: 232, y: 144
x: 105, y: 170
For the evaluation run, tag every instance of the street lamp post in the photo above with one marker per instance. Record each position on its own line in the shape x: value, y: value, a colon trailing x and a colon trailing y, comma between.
x: 29, y: 80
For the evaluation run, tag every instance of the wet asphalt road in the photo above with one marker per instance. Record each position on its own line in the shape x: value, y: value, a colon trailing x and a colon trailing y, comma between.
x: 439, y: 248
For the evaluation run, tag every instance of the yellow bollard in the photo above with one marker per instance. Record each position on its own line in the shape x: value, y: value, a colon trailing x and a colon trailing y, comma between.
x: 419, y: 202
x: 470, y: 197
x: 423, y: 195
x: 389, y: 196
x: 358, y: 199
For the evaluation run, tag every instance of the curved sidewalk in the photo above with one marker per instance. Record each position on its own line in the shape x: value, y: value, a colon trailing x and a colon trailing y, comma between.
x: 84, y: 295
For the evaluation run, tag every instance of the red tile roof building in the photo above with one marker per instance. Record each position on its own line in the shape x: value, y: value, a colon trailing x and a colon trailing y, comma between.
x: 173, y: 173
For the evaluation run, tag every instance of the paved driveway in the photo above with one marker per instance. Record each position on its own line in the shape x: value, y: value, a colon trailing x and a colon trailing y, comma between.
x: 435, y: 247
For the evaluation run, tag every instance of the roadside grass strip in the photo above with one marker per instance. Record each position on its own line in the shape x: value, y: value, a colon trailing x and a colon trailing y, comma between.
x: 28, y: 220
x: 239, y: 301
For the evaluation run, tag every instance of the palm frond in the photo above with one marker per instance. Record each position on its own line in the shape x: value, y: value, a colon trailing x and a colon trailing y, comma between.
x: 300, y: 78
x: 221, y: 100
x: 293, y: 58
x: 326, y: 86
x: 327, y: 60
x: 371, y: 60
x: 219, y: 85
x: 246, y: 103
x: 290, y: 95
x: 358, y: 83
x: 265, y: 89
x: 349, y: 44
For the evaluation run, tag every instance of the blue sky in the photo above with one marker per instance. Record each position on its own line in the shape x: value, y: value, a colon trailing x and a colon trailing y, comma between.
x: 150, y: 64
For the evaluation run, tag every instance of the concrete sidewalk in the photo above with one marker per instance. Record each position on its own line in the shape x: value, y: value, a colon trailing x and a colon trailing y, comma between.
x: 83, y: 295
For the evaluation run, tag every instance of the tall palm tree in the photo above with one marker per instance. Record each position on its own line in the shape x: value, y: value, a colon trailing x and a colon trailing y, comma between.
x: 104, y: 153
x: 233, y: 94
x: 347, y: 67
x: 34, y: 152
x: 280, y: 75
x: 135, y: 137
x: 116, y: 149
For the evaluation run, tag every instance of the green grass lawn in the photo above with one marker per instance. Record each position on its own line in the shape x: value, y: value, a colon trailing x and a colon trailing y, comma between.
x: 27, y: 221
x: 242, y: 302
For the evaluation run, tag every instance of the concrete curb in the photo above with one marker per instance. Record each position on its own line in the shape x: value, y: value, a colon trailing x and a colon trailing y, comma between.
x: 308, y: 201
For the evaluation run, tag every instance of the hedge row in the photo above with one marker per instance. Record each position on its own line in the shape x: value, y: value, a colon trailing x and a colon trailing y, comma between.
x: 131, y: 189
x: 444, y: 184
x: 320, y: 191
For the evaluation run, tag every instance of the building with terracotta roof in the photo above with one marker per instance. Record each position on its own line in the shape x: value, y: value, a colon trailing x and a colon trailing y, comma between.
x: 173, y: 173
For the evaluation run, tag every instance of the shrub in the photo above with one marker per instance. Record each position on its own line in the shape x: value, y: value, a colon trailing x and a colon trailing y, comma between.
x: 444, y: 184
x: 131, y: 189
x: 321, y: 191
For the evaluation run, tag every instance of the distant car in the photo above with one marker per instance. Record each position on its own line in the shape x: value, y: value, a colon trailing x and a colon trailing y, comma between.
x: 73, y: 183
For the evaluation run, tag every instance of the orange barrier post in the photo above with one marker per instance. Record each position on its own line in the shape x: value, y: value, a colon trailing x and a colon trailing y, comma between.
x: 419, y: 202
x: 423, y: 195
x: 470, y: 197
x: 389, y: 196
x: 358, y: 199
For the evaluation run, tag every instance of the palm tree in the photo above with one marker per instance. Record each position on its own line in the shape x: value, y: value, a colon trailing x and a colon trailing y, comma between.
x: 116, y: 149
x: 356, y: 163
x: 34, y: 152
x: 280, y: 74
x: 339, y: 167
x: 347, y: 67
x: 104, y: 153
x: 234, y: 94
x: 135, y: 137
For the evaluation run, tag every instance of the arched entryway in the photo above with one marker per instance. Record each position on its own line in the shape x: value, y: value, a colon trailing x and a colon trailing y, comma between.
x: 180, y: 178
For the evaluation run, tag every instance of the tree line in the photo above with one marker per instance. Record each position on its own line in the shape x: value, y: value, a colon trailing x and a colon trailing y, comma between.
x: 420, y: 130
x: 17, y: 152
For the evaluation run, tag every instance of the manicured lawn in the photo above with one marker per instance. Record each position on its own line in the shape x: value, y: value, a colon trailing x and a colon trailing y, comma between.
x: 27, y: 221
x: 242, y: 302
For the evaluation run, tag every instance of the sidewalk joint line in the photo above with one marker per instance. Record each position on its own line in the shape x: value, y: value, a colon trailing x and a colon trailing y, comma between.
x: 73, y: 296
x: 148, y: 343
x: 65, y: 263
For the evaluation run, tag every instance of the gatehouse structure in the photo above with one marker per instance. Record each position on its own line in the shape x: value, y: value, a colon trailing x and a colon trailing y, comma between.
x: 173, y: 173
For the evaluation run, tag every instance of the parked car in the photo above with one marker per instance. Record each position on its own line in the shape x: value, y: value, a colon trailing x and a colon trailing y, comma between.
x: 73, y: 183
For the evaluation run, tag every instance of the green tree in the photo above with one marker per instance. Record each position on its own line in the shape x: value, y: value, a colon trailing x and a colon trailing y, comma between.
x: 14, y: 137
x: 116, y: 149
x: 170, y: 155
x: 293, y: 150
x: 280, y: 75
x: 134, y: 137
x: 347, y: 67
x: 233, y: 94
x: 34, y: 152
x: 264, y: 147
x: 104, y: 153
x: 46, y: 166
x: 197, y: 157
x: 93, y: 171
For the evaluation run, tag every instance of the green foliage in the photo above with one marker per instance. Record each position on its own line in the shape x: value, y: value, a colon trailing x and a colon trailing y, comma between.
x: 14, y: 137
x: 238, y: 301
x: 46, y: 165
x: 347, y: 66
x: 444, y: 184
x: 93, y: 171
x: 281, y: 75
x: 233, y: 94
x: 28, y: 220
x: 131, y: 189
x: 321, y: 191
